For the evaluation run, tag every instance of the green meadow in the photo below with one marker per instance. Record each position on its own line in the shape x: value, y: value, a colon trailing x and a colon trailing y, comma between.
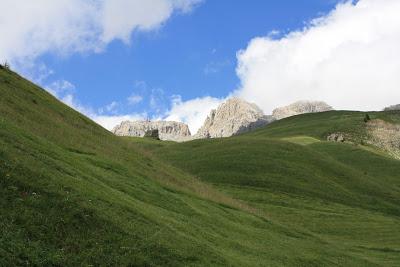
x: 73, y: 194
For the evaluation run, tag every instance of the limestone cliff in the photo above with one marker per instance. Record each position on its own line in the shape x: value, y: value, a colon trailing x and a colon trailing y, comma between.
x: 168, y: 130
x: 233, y: 117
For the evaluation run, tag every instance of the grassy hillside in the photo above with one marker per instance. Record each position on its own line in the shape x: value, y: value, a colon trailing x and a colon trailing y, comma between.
x: 320, y: 125
x: 347, y: 195
x: 72, y: 194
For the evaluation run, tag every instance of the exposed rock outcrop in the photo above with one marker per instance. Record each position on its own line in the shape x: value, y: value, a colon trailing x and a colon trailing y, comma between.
x: 336, y: 137
x: 300, y: 107
x: 167, y: 130
x: 384, y: 135
x: 233, y: 117
x: 391, y: 108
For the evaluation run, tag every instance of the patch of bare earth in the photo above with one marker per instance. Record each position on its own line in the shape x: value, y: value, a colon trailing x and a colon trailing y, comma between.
x: 384, y: 135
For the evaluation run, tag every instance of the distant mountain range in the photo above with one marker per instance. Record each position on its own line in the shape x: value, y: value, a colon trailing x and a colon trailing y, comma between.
x: 235, y: 116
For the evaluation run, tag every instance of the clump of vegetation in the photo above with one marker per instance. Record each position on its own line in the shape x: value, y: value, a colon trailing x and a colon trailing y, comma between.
x: 393, y: 108
x: 6, y: 66
x: 367, y: 118
x: 152, y: 134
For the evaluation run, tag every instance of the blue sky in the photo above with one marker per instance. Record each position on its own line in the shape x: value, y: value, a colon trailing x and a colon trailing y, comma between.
x: 191, y: 55
x: 187, y: 53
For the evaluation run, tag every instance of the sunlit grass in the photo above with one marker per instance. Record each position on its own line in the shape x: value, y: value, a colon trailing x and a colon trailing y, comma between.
x: 73, y: 194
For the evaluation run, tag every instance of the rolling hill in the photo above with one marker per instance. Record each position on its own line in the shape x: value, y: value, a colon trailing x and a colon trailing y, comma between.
x: 73, y: 194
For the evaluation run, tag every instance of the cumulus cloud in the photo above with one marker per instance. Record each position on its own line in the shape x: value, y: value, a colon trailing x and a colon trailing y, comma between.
x: 29, y: 29
x: 32, y: 28
x: 119, y: 17
x: 192, y: 112
x: 349, y: 58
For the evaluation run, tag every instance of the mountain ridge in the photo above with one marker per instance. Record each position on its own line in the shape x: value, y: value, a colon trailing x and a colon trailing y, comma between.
x: 233, y: 117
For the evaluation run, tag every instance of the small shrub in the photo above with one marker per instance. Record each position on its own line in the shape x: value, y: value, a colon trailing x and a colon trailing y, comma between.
x: 367, y: 118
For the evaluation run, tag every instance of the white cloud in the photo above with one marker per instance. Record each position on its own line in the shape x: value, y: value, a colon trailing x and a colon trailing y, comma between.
x: 192, y: 112
x: 60, y: 87
x: 64, y: 90
x: 349, y: 58
x: 70, y: 100
x: 158, y: 101
x: 141, y: 85
x: 120, y: 17
x: 135, y: 99
x: 37, y: 72
x: 29, y: 29
x: 112, y: 106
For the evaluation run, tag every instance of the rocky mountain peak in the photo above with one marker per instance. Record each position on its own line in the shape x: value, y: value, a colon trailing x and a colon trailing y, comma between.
x: 300, y: 107
x: 233, y: 117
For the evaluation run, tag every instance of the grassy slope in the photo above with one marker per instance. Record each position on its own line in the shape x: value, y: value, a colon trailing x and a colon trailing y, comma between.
x: 343, y: 194
x: 73, y: 194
